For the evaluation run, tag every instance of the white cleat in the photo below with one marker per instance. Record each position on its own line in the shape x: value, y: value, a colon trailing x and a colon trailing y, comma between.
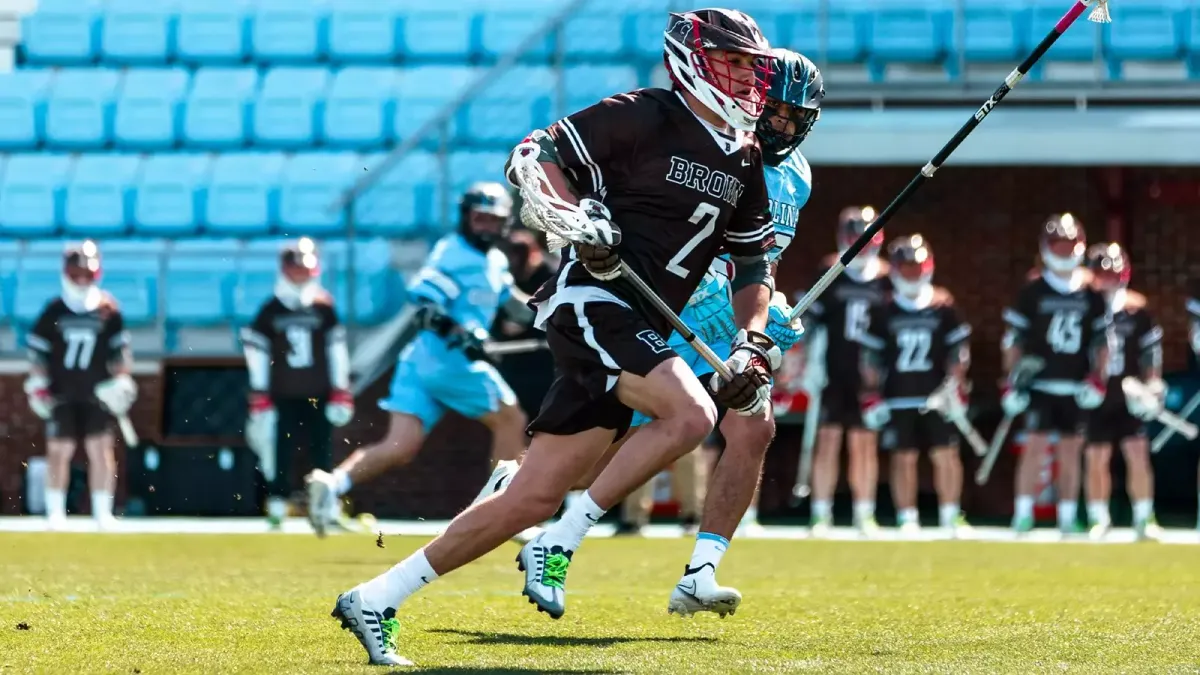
x: 322, y: 500
x: 1099, y: 531
x: 56, y: 523
x: 105, y: 522
x: 501, y: 476
x: 527, y: 535
x: 545, y: 569
x: 698, y: 591
x: 867, y: 527
x: 377, y: 631
x: 910, y: 528
x: 1147, y: 531
x: 820, y: 528
x: 959, y: 528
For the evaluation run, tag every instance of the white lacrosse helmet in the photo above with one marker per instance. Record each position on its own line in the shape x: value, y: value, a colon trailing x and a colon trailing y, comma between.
x: 736, y: 93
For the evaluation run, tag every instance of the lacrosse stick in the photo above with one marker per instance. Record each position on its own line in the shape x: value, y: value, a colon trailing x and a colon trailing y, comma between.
x: 127, y: 431
x: 945, y: 401
x: 1165, y: 435
x: 1099, y: 15
x: 1022, y: 376
x: 564, y: 222
x: 814, y: 352
x: 1136, y: 390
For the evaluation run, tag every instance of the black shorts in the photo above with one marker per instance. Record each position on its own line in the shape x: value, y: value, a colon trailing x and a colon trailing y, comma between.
x: 1111, y: 423
x: 76, y: 419
x: 1049, y: 413
x: 592, y: 344
x: 839, y: 401
x: 912, y: 430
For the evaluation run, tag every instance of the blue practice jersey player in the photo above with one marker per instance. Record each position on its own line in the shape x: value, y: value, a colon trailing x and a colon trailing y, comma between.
x: 458, y: 291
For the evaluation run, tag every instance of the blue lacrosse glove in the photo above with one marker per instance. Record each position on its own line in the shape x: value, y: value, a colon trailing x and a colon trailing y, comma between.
x: 778, y: 329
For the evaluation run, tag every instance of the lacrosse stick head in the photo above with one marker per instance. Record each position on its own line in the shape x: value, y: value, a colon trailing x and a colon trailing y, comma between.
x: 543, y: 209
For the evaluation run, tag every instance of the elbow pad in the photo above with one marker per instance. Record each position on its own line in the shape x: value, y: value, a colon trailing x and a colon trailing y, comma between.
x: 750, y: 271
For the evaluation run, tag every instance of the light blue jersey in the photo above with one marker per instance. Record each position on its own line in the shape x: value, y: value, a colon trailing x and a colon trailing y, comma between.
x: 469, y: 285
x: 709, y: 312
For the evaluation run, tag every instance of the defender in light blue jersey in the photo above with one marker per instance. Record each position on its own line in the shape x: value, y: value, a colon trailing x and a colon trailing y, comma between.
x: 458, y: 291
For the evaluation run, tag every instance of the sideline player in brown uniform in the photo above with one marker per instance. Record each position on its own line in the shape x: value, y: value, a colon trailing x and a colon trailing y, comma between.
x: 914, y: 343
x: 837, y: 320
x: 1135, y: 350
x: 1193, y: 310
x: 299, y: 369
x: 682, y: 175
x: 79, y: 375
x: 1059, y: 318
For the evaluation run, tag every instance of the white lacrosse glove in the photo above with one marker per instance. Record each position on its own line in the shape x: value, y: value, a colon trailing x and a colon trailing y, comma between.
x: 596, y: 246
x: 117, y: 394
x: 1150, y: 406
x: 1195, y: 338
x: 752, y: 359
x: 340, y: 408
x: 780, y: 328
x: 1091, y: 393
x: 37, y: 389
x: 1014, y: 401
x: 260, y: 432
x: 875, y: 412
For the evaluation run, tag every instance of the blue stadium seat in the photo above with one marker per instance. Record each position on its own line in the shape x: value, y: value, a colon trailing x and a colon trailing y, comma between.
x: 62, y: 32
x: 217, y: 115
x: 359, y: 108
x: 137, y: 32
x: 1193, y: 40
x: 38, y: 281
x: 421, y: 94
x: 32, y: 195
x: 516, y: 103
x: 1145, y: 32
x: 993, y: 32
x: 22, y: 109
x: 100, y: 195
x: 364, y: 31
x: 290, y: 106
x: 289, y: 31
x: 439, y: 32
x: 199, y: 285
x: 908, y: 32
x: 132, y: 269
x: 150, y: 109
x: 243, y: 194
x: 378, y: 290
x: 253, y: 284
x: 169, y: 195
x: 846, y: 40
x: 585, y: 85
x: 312, y: 182
x: 213, y: 32
x: 404, y: 199
x: 504, y: 27
x: 1080, y: 43
x: 10, y: 252
x: 80, y: 107
x: 595, y: 34
x: 644, y: 34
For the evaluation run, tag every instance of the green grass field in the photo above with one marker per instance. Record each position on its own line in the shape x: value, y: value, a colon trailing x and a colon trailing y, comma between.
x: 77, y: 603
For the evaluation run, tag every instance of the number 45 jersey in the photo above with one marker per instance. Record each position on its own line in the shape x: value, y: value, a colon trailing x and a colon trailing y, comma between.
x: 1062, y: 325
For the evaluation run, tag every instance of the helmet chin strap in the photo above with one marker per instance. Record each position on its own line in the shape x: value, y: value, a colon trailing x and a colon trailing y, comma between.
x: 294, y: 296
x: 80, y: 299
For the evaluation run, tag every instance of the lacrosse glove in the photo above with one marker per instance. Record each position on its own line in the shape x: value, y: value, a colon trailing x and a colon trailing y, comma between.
x: 599, y: 257
x: 752, y: 359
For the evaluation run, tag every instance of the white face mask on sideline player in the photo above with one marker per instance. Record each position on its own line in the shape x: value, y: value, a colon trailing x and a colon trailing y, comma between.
x: 852, y: 223
x: 1062, y: 244
x: 299, y: 282
x: 911, y: 260
x: 81, y: 272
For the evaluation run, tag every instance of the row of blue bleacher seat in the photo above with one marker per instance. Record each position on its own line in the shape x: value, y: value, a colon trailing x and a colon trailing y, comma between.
x: 231, y: 194
x: 208, y: 282
x: 219, y: 108
x: 149, y: 32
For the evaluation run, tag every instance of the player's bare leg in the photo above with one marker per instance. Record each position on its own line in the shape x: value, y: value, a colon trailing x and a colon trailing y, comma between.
x: 1070, y: 451
x: 405, y: 435
x: 689, y: 484
x: 826, y: 460
x: 59, y: 452
x: 863, y: 473
x: 102, y: 476
x: 1098, y: 488
x: 904, y: 489
x: 948, y: 481
x: 1140, y: 485
x: 1029, y: 467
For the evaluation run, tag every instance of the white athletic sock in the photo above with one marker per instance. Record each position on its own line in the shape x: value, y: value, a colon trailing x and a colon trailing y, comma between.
x: 1068, y: 510
x: 393, y: 587
x: 1098, y: 513
x: 56, y: 503
x: 948, y: 513
x: 341, y: 482
x: 909, y: 515
x: 864, y: 510
x: 579, y: 517
x: 823, y: 509
x: 708, y: 551
x: 571, y: 498
x: 1143, y: 510
x: 1023, y: 507
x: 102, y: 503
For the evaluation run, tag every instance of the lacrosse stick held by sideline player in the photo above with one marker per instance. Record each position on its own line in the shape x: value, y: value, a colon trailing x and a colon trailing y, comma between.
x: 1147, y: 404
x: 1020, y: 379
x: 564, y: 222
x: 1160, y: 441
x: 945, y: 401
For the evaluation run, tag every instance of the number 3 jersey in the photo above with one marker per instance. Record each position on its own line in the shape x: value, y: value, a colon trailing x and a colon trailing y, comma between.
x: 77, y: 348
x: 679, y: 189
x: 298, y: 341
x: 1063, y: 323
x: 913, y: 345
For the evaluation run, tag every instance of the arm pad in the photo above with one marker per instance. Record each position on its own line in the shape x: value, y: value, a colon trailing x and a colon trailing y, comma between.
x: 750, y: 271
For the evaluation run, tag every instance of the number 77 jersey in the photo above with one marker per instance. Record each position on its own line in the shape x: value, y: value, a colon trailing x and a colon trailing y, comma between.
x: 1065, y: 327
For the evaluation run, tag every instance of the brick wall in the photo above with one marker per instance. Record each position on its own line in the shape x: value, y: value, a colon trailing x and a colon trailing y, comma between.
x: 983, y: 227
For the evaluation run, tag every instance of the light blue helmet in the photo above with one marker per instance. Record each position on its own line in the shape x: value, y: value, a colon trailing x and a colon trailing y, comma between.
x: 797, y: 81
